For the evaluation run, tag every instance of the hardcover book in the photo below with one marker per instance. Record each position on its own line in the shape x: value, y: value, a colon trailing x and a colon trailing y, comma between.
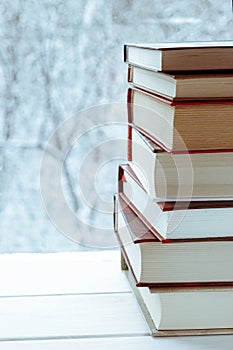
x: 154, y: 263
x: 186, y: 56
x: 183, y: 86
x: 178, y: 311
x: 180, y: 176
x: 186, y: 125
x: 180, y: 219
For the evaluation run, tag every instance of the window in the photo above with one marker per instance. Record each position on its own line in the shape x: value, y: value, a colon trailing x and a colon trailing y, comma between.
x: 59, y: 59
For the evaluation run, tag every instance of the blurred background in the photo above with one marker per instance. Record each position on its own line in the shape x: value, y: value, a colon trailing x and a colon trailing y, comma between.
x: 57, y: 59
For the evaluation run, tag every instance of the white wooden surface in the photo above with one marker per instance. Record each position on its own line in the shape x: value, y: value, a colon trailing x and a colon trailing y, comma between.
x: 77, y: 301
x: 70, y: 316
x: 60, y: 273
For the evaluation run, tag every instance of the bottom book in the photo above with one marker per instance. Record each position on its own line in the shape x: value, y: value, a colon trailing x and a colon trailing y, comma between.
x: 181, y: 311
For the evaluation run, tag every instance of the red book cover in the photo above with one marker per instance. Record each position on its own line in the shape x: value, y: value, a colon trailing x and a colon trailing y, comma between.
x: 139, y: 231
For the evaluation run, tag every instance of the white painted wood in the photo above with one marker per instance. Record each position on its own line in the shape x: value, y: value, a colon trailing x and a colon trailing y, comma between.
x: 96, y: 321
x: 126, y: 343
x: 61, y: 273
x: 59, y: 316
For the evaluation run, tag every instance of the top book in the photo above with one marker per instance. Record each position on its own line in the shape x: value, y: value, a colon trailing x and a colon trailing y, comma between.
x: 186, y: 56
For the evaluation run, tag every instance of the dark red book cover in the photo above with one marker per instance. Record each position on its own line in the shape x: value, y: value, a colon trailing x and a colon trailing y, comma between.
x: 138, y: 230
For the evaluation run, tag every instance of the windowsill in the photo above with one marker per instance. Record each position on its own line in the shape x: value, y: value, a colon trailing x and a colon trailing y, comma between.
x: 75, y: 300
x: 60, y: 273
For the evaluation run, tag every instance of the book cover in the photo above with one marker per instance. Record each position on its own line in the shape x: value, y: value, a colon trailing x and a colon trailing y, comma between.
x: 185, y: 56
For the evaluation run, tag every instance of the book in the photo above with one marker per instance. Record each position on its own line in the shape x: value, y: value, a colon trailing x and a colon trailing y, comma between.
x: 180, y: 176
x: 179, y: 126
x: 178, y: 311
x: 186, y: 56
x: 154, y: 263
x: 183, y: 86
x: 180, y: 219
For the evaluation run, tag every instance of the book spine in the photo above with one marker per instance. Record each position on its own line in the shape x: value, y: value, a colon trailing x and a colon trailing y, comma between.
x: 125, y: 53
x: 120, y: 179
x: 129, y: 143
x: 130, y: 74
x: 129, y: 105
x: 115, y: 210
x: 130, y: 118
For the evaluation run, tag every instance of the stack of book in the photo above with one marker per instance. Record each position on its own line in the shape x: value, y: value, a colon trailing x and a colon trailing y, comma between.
x: 173, y: 212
